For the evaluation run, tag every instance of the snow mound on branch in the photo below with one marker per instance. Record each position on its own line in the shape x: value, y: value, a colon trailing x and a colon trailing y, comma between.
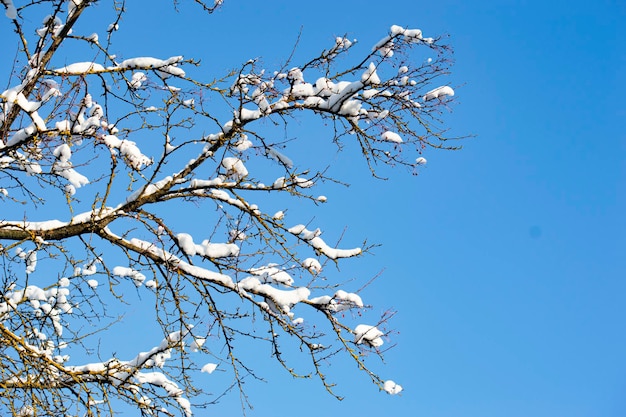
x: 80, y: 68
x: 439, y: 92
x: 65, y: 170
x: 313, y: 265
x: 11, y: 11
x: 391, y: 137
x: 206, y: 249
x: 129, y: 150
x: 391, y: 387
x: 137, y: 277
x: 369, y: 335
x: 234, y: 167
x: 341, y: 301
x: 313, y: 239
x: 283, y: 300
x: 272, y: 274
x: 165, y: 66
x: 370, y: 76
x: 52, y: 302
x: 63, y: 152
x: 209, y: 368
x: 197, y: 343
x: 279, y: 157
x: 349, y: 298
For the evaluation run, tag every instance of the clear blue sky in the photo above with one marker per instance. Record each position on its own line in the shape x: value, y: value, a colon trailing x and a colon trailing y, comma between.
x: 510, y: 279
x: 505, y: 260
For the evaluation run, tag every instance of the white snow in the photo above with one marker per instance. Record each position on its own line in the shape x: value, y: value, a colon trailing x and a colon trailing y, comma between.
x: 360, y: 99
x: 206, y: 249
x: 209, y: 368
x: 343, y: 43
x: 234, y: 168
x: 238, y: 235
x: 313, y: 265
x: 166, y: 67
x: 315, y: 241
x: 243, y: 144
x: 386, y: 45
x: 90, y: 268
x: 63, y: 152
x: 71, y: 6
x: 34, y: 226
x: 80, y: 68
x: 56, y: 224
x: 247, y: 115
x: 137, y: 277
x: 280, y: 182
x: 149, y: 189
x: 279, y: 157
x: 370, y: 76
x: 302, y: 182
x: 138, y: 79
x: 129, y: 150
x: 196, y: 344
x: 369, y: 335
x: 26, y: 411
x: 439, y: 92
x: 11, y: 11
x: 391, y: 137
x: 65, y: 170
x: 391, y: 387
x: 219, y: 250
x: 184, y: 267
x: 270, y: 273
x: 341, y: 301
x: 185, y: 241
x: 283, y: 182
x: 350, y: 299
x: 284, y: 300
x: 22, y: 135
x: 31, y: 261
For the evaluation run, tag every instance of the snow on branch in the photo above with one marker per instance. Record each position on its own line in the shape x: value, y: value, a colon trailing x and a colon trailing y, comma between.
x: 165, y: 67
x: 136, y: 184
x: 313, y: 239
x: 11, y: 11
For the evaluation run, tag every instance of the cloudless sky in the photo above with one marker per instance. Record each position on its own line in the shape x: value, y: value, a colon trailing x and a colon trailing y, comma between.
x: 505, y: 260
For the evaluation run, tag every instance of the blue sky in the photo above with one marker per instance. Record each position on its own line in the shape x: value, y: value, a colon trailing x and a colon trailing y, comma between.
x: 505, y: 260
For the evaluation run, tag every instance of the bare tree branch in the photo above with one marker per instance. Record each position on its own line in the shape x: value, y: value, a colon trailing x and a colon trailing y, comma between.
x: 113, y: 153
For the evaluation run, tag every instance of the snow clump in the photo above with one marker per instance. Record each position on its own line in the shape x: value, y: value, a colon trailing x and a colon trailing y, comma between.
x: 439, y: 92
x: 369, y: 335
x: 391, y: 387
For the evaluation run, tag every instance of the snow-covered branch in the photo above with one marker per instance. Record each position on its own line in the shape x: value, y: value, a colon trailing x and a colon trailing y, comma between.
x: 144, y: 184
